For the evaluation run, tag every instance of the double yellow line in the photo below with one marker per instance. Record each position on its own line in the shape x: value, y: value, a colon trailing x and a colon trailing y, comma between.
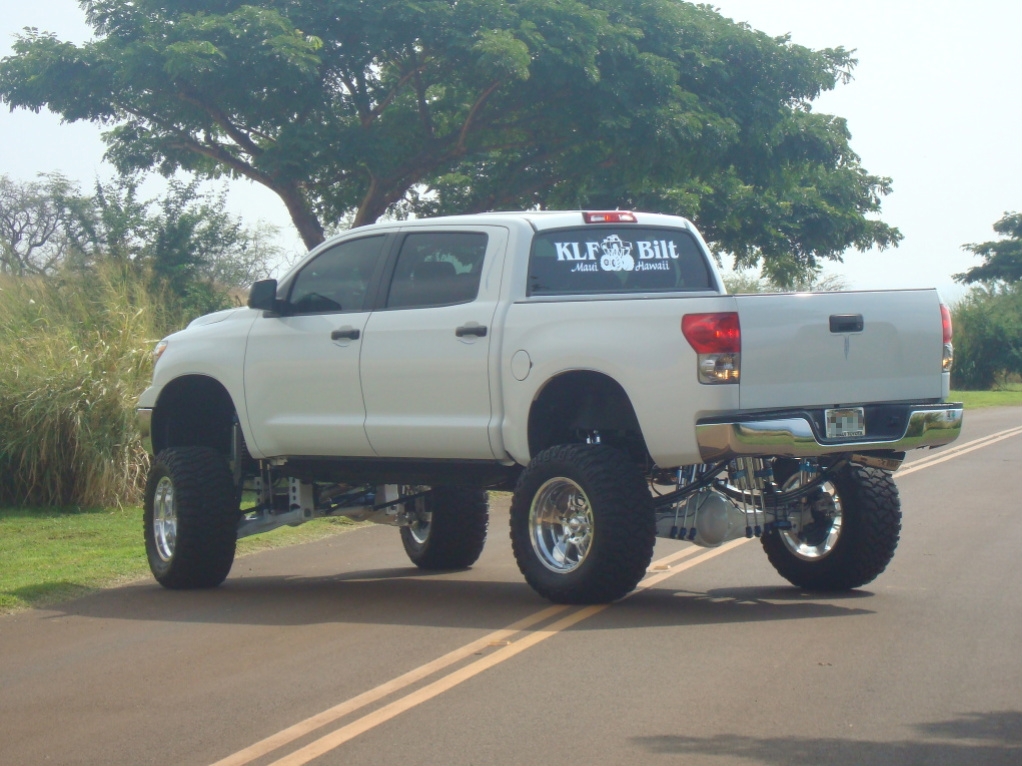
x: 504, y: 644
x: 961, y: 449
x: 496, y: 647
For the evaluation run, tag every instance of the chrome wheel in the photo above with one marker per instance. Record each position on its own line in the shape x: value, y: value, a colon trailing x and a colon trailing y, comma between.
x: 561, y: 524
x: 418, y: 513
x: 165, y: 519
x: 818, y: 528
x: 419, y: 529
x: 421, y: 519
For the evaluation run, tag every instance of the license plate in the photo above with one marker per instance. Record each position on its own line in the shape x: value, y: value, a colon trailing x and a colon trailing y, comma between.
x: 844, y: 423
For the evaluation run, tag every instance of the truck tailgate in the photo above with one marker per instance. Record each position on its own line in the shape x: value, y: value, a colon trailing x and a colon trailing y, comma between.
x: 830, y: 349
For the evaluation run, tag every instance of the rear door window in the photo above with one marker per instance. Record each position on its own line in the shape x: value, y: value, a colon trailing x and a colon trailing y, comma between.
x: 616, y: 259
x: 437, y: 269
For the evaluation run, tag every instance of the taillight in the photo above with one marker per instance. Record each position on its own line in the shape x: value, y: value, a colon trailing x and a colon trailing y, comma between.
x: 713, y: 333
x: 945, y: 317
x: 717, y: 339
x: 949, y: 349
x: 612, y: 216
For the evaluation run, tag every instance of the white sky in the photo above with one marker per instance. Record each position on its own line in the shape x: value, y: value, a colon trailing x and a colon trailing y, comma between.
x: 936, y: 104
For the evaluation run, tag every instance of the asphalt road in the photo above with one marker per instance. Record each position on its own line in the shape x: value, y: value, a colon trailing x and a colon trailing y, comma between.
x: 340, y: 652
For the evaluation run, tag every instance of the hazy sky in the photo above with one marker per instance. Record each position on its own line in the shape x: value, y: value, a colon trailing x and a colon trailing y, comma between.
x: 936, y: 104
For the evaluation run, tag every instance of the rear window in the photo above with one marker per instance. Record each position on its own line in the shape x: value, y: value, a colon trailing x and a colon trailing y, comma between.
x: 616, y: 259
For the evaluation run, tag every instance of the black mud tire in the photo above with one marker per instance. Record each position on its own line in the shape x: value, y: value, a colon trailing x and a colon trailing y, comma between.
x: 870, y: 529
x: 205, y: 506
x: 456, y: 532
x: 623, y: 528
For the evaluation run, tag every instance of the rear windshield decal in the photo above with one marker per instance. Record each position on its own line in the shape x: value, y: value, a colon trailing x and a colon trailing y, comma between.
x: 582, y: 260
x: 613, y: 254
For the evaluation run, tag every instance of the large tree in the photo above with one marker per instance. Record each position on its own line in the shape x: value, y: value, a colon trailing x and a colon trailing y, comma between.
x: 349, y: 110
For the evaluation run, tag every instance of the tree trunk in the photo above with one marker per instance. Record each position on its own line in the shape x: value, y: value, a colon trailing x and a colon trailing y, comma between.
x: 308, y: 225
x: 375, y: 203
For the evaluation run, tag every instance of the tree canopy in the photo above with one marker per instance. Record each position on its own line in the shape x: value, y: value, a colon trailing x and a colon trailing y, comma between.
x: 350, y: 110
x: 1002, y: 258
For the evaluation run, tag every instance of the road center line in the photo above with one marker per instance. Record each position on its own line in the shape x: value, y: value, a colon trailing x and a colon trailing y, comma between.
x: 349, y: 706
x: 337, y: 738
x: 941, y: 457
x: 349, y: 731
x: 387, y: 712
x: 336, y: 712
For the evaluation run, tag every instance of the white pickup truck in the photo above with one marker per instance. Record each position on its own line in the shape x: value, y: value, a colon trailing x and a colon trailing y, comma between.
x: 592, y: 363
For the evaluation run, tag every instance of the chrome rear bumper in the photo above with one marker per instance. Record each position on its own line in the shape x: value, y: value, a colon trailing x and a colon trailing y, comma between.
x: 794, y: 435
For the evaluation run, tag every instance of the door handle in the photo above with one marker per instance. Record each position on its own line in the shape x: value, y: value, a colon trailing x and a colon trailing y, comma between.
x: 471, y: 329
x: 846, y: 323
x: 345, y: 333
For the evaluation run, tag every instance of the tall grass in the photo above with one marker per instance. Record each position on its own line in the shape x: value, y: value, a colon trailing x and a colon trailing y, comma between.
x: 74, y: 356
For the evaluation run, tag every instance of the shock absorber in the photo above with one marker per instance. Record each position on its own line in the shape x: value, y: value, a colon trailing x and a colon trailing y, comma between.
x: 686, y: 475
x: 739, y: 473
x: 751, y: 476
x: 686, y: 510
x: 764, y: 475
x: 807, y: 471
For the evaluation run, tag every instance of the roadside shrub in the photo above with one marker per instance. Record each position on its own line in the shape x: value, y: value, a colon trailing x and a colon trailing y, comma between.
x: 75, y: 353
x: 987, y: 337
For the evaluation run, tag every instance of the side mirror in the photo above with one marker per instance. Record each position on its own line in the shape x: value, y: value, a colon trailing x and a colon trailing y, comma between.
x: 263, y: 295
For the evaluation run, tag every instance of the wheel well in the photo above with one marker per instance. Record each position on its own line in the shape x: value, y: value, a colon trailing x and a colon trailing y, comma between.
x: 574, y: 405
x: 193, y: 411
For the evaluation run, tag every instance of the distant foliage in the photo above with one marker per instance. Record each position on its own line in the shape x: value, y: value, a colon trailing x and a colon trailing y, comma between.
x: 737, y: 282
x: 988, y: 321
x: 42, y: 224
x: 987, y: 337
x: 185, y: 241
x: 76, y: 354
x: 186, y: 237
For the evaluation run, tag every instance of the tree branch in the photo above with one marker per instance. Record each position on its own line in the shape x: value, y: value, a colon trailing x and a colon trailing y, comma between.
x: 381, y: 107
x: 241, y: 138
x: 357, y: 96
x: 472, y: 113
x: 424, y: 115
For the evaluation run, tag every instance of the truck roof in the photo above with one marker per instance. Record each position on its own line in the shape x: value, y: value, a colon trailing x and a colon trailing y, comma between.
x: 541, y: 220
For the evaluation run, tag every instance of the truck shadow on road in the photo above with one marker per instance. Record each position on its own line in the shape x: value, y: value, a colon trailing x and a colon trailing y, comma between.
x: 407, y: 596
x: 991, y: 739
x: 678, y: 606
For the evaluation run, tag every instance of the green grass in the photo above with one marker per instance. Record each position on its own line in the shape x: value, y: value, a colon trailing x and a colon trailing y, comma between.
x: 1010, y: 395
x: 48, y: 556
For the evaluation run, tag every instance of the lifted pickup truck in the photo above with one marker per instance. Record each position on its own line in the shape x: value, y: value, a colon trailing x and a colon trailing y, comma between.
x: 592, y: 363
